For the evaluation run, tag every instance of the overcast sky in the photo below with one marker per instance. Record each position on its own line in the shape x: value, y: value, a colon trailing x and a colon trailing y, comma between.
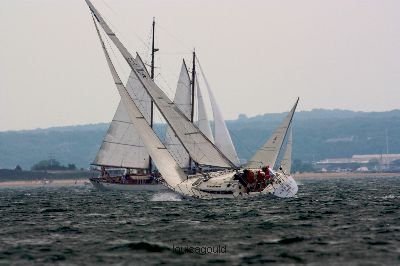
x: 257, y: 55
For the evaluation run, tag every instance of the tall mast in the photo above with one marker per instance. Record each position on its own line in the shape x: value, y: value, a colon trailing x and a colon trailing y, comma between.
x: 193, y: 84
x: 153, y: 50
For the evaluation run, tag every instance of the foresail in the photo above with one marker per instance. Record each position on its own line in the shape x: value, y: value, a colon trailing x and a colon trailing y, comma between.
x: 169, y: 169
x: 286, y: 162
x: 222, y: 137
x: 183, y: 102
x: 183, y: 93
x: 199, y: 147
x: 202, y: 121
x: 122, y: 147
x: 268, y: 153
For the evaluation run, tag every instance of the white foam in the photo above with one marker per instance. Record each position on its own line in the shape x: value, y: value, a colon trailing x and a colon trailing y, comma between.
x: 166, y: 196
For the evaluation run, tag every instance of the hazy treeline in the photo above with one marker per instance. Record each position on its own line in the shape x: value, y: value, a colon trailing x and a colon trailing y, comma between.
x: 317, y: 135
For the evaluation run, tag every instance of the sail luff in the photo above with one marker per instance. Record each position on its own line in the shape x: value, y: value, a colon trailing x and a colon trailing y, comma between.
x: 182, y: 100
x: 167, y: 166
x: 286, y: 162
x: 202, y: 120
x: 199, y: 147
x: 268, y: 153
x: 222, y: 138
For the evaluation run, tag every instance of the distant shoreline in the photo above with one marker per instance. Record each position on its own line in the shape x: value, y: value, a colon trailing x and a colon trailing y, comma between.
x: 67, y: 182
x: 307, y: 176
x: 45, y: 183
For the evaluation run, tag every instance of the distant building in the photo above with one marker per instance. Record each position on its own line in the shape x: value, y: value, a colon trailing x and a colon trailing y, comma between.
x: 367, y: 162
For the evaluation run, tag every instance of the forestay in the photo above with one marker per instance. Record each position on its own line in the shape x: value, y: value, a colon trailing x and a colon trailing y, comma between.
x: 268, y: 153
x: 199, y: 147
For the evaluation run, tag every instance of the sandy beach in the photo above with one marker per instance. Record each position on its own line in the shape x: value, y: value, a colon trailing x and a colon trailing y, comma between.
x: 46, y: 183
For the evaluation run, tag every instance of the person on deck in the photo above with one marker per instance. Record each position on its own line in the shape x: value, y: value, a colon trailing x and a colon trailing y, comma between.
x: 267, y: 174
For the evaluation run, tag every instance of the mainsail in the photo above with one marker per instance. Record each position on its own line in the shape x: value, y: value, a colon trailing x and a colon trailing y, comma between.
x: 167, y: 166
x: 222, y: 137
x: 286, y: 162
x: 198, y: 146
x: 268, y: 153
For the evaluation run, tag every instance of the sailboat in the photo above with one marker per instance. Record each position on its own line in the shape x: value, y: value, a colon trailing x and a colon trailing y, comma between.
x: 232, y: 181
x: 123, y: 159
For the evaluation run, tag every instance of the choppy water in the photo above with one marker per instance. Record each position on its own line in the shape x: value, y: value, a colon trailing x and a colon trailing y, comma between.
x: 334, y: 222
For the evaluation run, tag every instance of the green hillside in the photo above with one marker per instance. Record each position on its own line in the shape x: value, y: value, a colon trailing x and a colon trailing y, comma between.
x: 317, y: 134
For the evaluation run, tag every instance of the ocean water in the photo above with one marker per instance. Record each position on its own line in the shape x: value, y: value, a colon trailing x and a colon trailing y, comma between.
x: 330, y: 222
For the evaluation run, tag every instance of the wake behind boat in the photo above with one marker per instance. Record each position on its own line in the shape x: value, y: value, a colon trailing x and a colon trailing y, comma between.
x: 233, y: 182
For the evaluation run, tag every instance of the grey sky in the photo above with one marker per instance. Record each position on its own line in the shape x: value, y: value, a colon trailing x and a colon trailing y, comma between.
x: 258, y: 55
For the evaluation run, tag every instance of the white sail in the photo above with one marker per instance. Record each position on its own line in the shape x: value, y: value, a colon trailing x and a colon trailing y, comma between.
x: 268, y: 153
x: 122, y: 147
x: 202, y: 120
x: 167, y: 166
x: 286, y: 162
x: 199, y: 147
x: 222, y: 137
x: 138, y: 93
x: 183, y: 102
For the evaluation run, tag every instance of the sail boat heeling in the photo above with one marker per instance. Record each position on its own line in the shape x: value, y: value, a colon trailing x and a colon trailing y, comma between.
x: 197, y: 145
x: 219, y: 184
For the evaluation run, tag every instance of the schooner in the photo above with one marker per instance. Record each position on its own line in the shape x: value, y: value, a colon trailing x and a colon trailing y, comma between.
x: 228, y: 180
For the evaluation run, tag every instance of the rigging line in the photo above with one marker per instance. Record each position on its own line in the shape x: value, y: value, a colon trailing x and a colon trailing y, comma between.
x: 181, y: 42
x: 115, y: 55
x: 240, y: 142
x: 159, y: 75
x: 119, y: 16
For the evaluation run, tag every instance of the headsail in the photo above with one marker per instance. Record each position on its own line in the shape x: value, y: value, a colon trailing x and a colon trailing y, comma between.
x: 222, y: 137
x: 286, y: 162
x: 167, y: 166
x: 202, y: 120
x: 183, y: 102
x: 122, y: 147
x: 268, y: 153
x: 199, y: 147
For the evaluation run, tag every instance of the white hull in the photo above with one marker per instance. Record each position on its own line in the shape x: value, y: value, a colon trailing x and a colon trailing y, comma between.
x: 126, y: 187
x: 224, y: 186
